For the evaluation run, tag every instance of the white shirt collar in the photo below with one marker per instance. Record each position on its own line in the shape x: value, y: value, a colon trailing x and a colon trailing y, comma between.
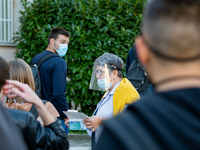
x: 113, y: 90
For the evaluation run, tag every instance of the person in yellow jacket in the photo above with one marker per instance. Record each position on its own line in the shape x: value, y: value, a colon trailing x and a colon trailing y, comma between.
x: 107, y: 76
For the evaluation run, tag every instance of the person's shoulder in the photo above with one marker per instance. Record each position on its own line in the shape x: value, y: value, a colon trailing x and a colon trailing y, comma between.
x: 151, y: 103
x: 41, y: 54
x: 59, y: 62
x: 130, y: 52
x: 60, y: 59
x: 126, y: 88
x: 145, y: 107
x: 149, y: 99
x: 20, y: 115
x: 130, y: 123
x: 57, y: 59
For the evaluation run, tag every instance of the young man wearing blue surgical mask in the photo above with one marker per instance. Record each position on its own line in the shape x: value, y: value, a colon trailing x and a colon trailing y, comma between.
x: 53, y: 72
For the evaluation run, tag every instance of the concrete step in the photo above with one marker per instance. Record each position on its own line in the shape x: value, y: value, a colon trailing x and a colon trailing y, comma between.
x: 80, y: 148
x: 79, y: 141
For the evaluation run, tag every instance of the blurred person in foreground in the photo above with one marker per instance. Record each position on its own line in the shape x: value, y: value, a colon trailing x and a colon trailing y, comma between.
x: 51, y: 136
x: 169, y: 48
x: 107, y: 76
x: 10, y: 137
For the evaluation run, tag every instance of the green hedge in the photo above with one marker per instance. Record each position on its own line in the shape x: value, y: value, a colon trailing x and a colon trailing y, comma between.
x: 96, y: 26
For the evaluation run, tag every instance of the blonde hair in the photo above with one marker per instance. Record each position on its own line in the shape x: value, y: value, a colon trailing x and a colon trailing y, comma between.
x: 20, y: 71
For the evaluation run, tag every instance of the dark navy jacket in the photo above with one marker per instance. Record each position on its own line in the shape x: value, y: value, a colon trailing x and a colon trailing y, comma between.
x: 163, y: 121
x: 53, y: 81
x: 130, y: 58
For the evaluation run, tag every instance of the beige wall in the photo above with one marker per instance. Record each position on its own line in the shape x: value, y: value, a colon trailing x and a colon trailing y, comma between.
x: 7, y: 52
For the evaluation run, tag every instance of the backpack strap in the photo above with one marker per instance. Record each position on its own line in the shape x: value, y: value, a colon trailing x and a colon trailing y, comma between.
x: 33, y: 110
x: 43, y: 59
x: 31, y: 63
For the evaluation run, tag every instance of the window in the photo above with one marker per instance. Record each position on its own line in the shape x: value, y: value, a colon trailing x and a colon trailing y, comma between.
x: 6, y: 21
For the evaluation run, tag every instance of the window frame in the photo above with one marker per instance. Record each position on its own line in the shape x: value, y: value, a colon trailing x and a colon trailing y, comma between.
x: 6, y: 23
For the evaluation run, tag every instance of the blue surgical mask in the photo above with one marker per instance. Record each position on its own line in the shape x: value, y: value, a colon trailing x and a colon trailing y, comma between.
x: 104, y: 84
x: 62, y: 49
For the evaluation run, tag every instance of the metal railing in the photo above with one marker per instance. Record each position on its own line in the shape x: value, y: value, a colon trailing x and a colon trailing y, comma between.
x: 6, y: 21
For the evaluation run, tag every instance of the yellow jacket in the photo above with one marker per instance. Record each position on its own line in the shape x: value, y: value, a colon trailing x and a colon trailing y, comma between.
x: 124, y: 94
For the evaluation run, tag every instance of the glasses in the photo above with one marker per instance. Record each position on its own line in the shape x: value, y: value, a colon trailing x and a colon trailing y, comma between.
x: 99, y: 72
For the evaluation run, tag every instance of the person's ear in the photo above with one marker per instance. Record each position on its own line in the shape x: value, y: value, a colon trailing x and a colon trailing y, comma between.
x: 115, y: 73
x: 142, y: 50
x: 51, y: 41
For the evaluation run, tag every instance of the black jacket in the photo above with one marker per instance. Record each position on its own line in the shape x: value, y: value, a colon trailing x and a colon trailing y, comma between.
x: 163, y: 121
x: 50, y: 137
x: 10, y: 138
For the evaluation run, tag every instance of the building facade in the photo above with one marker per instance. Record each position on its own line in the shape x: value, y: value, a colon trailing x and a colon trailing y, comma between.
x: 9, y: 24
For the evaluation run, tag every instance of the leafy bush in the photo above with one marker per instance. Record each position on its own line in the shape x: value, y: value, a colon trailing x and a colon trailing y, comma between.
x: 96, y: 26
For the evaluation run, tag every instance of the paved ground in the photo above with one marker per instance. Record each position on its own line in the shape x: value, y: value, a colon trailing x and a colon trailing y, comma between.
x: 79, y: 142
x: 80, y: 148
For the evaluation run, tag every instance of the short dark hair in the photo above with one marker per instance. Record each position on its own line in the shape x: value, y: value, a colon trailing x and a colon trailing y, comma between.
x: 4, y: 73
x: 56, y: 31
x: 172, y: 27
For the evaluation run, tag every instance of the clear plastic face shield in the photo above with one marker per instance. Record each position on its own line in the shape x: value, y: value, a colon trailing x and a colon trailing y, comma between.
x: 100, y: 79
